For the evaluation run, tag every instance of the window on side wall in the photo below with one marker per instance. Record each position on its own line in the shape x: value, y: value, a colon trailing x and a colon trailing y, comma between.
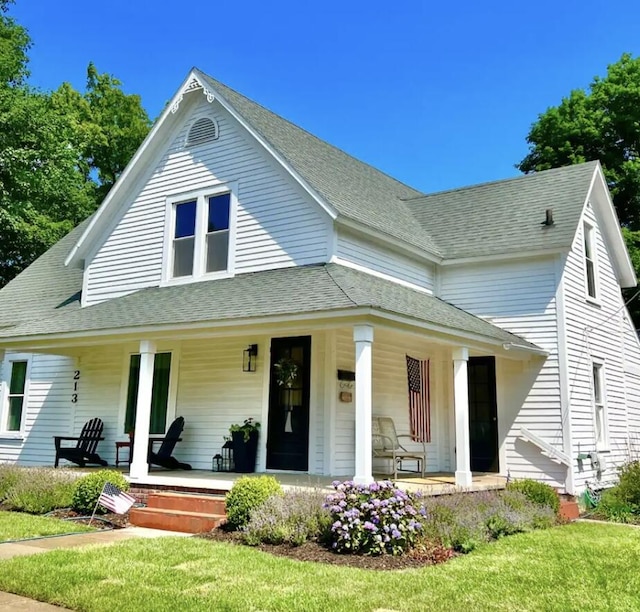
x: 591, y: 273
x: 601, y: 425
x: 200, y: 229
x: 160, y: 394
x: 16, y: 384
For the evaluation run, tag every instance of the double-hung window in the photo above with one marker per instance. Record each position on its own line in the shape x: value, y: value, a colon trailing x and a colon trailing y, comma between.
x: 591, y: 274
x: 200, y: 227
x: 16, y: 370
x: 600, y: 406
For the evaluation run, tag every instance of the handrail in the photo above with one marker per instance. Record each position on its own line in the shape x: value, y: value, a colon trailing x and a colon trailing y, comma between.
x: 557, y: 456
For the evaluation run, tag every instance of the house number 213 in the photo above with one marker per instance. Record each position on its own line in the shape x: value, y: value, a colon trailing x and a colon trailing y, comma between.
x: 76, y: 383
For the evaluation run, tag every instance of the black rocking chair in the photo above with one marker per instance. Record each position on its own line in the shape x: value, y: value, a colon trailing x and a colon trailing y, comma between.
x: 86, y: 443
x: 164, y: 457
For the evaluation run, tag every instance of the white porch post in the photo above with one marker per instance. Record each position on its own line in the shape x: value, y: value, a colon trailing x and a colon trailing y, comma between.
x: 461, y: 409
x: 139, y: 466
x: 363, y: 338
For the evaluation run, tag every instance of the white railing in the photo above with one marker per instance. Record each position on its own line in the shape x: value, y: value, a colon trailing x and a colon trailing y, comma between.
x: 557, y: 456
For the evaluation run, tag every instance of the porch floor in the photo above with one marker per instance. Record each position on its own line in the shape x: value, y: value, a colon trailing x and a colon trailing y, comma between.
x: 436, y: 483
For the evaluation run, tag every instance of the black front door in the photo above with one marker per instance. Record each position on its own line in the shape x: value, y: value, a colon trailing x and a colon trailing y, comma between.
x: 483, y: 414
x: 288, y: 427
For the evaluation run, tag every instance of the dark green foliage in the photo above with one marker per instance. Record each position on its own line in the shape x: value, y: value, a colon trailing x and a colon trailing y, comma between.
x: 88, y: 489
x: 60, y: 152
x: 293, y: 518
x: 538, y: 492
x: 38, y: 490
x: 614, y: 507
x: 629, y: 485
x: 246, y: 495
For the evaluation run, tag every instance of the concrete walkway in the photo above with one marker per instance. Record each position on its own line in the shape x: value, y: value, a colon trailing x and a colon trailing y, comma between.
x: 8, y: 550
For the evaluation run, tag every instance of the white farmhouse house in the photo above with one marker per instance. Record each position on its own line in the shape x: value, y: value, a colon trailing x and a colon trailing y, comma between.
x: 233, y: 235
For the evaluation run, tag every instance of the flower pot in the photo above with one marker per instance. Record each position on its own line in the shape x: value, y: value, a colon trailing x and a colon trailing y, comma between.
x: 244, y: 452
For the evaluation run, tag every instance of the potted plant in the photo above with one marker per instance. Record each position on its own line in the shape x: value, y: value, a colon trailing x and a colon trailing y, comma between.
x: 245, y: 445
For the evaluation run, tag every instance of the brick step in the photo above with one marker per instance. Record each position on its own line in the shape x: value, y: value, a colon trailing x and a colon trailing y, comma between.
x: 569, y: 509
x: 205, y: 504
x: 175, y: 520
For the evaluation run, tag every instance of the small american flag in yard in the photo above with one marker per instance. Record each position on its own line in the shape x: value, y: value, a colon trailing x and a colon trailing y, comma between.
x: 419, y: 399
x: 114, y: 499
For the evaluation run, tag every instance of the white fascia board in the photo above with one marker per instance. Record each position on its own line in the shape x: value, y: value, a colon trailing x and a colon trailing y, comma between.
x: 611, y: 228
x: 397, y: 244
x: 100, y: 217
x: 504, y: 256
x: 330, y: 210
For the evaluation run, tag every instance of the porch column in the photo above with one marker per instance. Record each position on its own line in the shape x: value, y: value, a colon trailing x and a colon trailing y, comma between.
x: 461, y: 409
x: 139, y: 466
x: 363, y: 338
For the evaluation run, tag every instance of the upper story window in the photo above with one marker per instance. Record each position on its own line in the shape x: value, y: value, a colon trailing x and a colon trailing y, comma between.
x: 201, y: 234
x: 16, y: 368
x: 591, y: 274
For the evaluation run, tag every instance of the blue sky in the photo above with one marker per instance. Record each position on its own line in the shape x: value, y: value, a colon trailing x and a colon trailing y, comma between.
x: 437, y: 94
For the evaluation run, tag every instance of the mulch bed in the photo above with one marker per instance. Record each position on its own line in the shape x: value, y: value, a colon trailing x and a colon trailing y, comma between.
x: 110, y: 520
x: 315, y: 552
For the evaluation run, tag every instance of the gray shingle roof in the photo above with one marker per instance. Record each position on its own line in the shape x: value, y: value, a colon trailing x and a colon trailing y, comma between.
x: 355, y: 189
x: 45, y: 287
x: 318, y: 288
x: 505, y: 216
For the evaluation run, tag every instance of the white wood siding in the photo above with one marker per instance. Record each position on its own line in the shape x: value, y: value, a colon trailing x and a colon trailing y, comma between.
x: 595, y: 331
x: 380, y: 259
x: 48, y: 412
x: 278, y: 225
x: 518, y: 296
x: 632, y: 379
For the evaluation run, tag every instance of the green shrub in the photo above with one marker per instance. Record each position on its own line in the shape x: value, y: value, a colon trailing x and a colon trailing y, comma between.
x: 246, y: 495
x: 294, y: 518
x: 88, y: 489
x: 9, y: 476
x: 537, y: 492
x: 39, y: 490
x: 614, y: 507
x: 629, y: 485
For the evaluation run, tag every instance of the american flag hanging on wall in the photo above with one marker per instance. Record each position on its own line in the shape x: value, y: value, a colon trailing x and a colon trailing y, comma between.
x: 419, y: 399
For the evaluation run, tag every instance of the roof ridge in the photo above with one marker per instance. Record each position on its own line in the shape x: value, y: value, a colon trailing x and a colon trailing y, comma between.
x: 502, y: 181
x: 308, y: 133
x: 337, y: 284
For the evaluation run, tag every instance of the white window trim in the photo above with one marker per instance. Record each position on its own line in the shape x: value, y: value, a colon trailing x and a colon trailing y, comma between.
x: 589, y: 235
x: 7, y: 367
x: 601, y: 444
x: 173, y: 386
x: 199, y: 256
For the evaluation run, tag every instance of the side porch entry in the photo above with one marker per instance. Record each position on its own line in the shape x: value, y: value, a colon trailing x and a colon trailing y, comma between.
x: 483, y: 414
x: 289, y: 392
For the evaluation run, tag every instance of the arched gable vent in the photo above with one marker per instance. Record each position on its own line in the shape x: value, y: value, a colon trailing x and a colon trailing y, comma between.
x: 203, y: 130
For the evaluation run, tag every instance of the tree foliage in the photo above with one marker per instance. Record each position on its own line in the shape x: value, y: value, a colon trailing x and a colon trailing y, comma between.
x: 600, y: 123
x: 60, y: 152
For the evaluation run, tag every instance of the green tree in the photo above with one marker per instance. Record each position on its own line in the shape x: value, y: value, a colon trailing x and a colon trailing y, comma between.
x: 602, y: 122
x: 60, y: 152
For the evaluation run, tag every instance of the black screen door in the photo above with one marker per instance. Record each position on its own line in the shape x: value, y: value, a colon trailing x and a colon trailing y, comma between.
x: 483, y: 414
x: 288, y: 426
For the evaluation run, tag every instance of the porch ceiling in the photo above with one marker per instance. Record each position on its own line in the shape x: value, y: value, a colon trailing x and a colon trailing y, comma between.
x: 315, y: 290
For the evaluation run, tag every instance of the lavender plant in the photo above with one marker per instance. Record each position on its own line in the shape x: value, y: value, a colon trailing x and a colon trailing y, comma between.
x: 372, y: 519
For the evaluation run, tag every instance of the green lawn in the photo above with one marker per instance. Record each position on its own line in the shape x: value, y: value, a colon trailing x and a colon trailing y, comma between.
x: 18, y: 526
x: 581, y: 567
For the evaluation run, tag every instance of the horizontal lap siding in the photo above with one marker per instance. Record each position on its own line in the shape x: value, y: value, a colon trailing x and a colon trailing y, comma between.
x: 277, y: 224
x: 48, y: 411
x: 595, y: 331
x: 383, y: 260
x: 519, y: 297
x: 390, y: 397
x: 632, y: 379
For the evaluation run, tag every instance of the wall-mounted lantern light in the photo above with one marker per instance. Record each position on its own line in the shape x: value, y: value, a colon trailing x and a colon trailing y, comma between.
x: 250, y: 358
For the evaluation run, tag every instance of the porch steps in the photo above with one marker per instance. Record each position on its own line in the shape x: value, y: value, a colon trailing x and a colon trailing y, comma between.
x: 187, y: 513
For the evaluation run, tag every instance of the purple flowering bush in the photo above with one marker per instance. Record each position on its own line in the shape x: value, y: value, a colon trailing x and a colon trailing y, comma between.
x: 372, y: 519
